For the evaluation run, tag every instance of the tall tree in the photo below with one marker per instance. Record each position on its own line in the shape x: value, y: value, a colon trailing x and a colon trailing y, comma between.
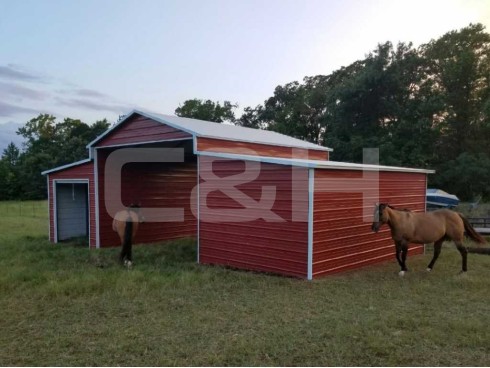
x: 459, y: 65
x: 207, y: 110
x: 9, y: 172
x: 48, y: 144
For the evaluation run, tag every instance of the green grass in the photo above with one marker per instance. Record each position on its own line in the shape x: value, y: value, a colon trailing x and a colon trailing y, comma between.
x: 67, y: 305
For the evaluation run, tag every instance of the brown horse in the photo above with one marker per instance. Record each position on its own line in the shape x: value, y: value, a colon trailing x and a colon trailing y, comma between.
x: 422, y: 228
x: 126, y: 225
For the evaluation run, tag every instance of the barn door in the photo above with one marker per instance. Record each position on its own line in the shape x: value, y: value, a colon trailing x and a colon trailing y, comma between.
x: 72, y: 210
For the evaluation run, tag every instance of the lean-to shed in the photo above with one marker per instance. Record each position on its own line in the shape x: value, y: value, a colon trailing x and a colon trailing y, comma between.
x: 253, y: 199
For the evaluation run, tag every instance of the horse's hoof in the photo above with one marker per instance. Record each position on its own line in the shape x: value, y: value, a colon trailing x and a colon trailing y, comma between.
x: 401, y: 273
x: 429, y: 269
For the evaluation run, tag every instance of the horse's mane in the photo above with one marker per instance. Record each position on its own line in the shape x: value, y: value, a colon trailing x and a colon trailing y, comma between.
x: 398, y: 209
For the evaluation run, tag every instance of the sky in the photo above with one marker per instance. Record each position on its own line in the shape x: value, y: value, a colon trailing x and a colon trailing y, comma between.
x: 96, y: 59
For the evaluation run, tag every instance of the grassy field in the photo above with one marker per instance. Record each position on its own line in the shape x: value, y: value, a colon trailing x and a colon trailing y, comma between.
x: 66, y: 305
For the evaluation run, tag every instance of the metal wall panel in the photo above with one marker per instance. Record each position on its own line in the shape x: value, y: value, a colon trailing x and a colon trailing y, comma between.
x: 152, y: 185
x: 254, y: 244
x: 342, y: 238
x: 139, y: 130
x: 224, y: 146
x: 84, y: 171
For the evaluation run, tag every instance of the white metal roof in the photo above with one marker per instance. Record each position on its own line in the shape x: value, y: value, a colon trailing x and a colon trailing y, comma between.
x: 208, y: 129
x: 59, y: 168
x: 312, y: 164
x: 315, y: 164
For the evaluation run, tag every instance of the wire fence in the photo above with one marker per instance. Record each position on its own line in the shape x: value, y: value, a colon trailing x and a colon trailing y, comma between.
x: 36, y: 209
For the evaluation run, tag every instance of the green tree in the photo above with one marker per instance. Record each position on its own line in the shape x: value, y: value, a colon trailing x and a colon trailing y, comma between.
x: 252, y: 118
x: 49, y: 144
x: 459, y: 65
x: 467, y: 176
x: 207, y: 110
x: 9, y: 172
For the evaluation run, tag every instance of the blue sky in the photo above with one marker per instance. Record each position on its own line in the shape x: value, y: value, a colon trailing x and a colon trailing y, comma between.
x: 98, y: 59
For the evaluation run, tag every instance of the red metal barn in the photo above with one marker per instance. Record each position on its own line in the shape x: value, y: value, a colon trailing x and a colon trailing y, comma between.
x: 253, y: 199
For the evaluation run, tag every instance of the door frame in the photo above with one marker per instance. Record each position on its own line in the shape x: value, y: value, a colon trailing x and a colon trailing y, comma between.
x: 55, y: 203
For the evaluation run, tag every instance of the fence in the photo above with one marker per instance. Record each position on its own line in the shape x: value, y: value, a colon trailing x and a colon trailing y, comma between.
x: 36, y: 209
x: 479, y: 221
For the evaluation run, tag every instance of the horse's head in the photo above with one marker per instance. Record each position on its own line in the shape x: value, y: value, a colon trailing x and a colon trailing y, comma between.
x: 380, y: 216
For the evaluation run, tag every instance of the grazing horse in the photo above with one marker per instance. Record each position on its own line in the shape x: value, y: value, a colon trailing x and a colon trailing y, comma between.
x: 126, y: 224
x: 422, y: 228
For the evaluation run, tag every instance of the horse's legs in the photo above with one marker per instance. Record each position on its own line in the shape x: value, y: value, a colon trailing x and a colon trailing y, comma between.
x: 123, y: 254
x: 437, y: 251
x: 401, y: 255
x: 464, y: 254
x: 404, y: 246
x: 398, y: 249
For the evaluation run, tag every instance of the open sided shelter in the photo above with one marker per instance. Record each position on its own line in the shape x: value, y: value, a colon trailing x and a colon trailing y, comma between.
x: 253, y: 199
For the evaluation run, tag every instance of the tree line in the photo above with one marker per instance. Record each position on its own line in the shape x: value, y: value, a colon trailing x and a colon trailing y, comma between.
x: 425, y: 106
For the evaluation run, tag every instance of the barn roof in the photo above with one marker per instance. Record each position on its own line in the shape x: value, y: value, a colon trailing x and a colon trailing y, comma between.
x: 208, y: 129
x: 315, y: 164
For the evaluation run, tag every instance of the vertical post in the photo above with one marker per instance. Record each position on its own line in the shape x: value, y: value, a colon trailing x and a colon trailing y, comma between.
x: 49, y: 212
x: 311, y: 191
x: 96, y: 185
x: 198, y: 209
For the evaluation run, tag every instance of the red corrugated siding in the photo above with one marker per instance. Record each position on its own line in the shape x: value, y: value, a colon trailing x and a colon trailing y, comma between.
x: 84, y: 171
x: 221, y: 145
x: 341, y: 240
x: 140, y: 129
x: 278, y: 247
x: 161, y: 185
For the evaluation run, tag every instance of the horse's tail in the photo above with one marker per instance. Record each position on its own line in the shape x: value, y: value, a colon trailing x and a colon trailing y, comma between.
x: 128, y: 237
x: 471, y: 232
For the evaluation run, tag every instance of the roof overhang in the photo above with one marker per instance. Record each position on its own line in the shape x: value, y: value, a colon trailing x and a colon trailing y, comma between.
x: 60, y: 168
x: 315, y: 164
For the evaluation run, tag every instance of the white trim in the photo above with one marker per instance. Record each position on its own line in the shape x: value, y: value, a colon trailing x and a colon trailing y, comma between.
x: 81, y: 162
x: 313, y: 164
x: 141, y: 143
x: 162, y: 120
x: 198, y: 208
x: 49, y: 212
x: 96, y: 185
x: 194, y: 144
x: 55, y: 213
x: 311, y: 191
x: 130, y: 114
x: 55, y: 203
x: 71, y: 181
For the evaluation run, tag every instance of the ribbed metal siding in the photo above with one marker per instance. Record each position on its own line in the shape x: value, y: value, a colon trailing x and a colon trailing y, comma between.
x: 84, y: 171
x: 278, y: 247
x: 165, y: 185
x: 139, y: 130
x: 221, y: 145
x: 341, y: 239
x: 72, y: 210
